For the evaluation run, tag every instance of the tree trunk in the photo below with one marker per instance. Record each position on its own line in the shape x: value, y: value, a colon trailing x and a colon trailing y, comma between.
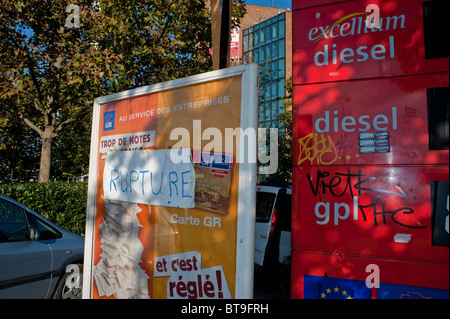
x: 46, y: 155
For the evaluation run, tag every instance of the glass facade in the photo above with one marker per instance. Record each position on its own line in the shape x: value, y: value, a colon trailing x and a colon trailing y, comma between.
x: 265, y: 43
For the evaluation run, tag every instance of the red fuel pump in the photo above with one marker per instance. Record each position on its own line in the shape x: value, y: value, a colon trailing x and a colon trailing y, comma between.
x: 371, y: 150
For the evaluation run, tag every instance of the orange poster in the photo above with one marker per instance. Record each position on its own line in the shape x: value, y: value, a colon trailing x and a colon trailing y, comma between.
x: 164, y: 206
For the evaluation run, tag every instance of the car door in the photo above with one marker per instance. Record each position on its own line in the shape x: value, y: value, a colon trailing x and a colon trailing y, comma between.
x: 25, y: 263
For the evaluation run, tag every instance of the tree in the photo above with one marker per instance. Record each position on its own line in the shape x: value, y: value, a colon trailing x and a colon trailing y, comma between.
x: 19, y: 150
x: 57, y: 56
x: 47, y: 70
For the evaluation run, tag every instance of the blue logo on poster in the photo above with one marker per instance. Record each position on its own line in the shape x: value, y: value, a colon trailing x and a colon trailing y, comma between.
x: 108, y: 120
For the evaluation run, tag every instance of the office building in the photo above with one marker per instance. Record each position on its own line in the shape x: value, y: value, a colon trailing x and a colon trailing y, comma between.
x: 266, y: 39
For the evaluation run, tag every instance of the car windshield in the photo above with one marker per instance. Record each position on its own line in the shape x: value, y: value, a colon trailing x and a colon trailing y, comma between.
x: 264, y: 204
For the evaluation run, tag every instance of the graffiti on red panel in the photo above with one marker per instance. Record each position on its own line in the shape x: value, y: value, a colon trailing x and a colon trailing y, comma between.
x: 356, y: 184
x: 317, y: 149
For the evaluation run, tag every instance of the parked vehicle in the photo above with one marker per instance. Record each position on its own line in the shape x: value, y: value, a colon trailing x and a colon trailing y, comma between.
x: 273, y: 227
x: 37, y: 258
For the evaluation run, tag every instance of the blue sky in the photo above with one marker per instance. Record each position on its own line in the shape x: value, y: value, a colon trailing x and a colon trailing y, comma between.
x: 285, y: 4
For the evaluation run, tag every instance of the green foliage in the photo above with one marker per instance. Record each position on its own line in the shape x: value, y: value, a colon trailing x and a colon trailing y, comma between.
x: 63, y: 203
x: 51, y: 72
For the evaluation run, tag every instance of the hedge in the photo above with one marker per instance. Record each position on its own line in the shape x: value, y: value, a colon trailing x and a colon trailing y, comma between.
x: 63, y: 203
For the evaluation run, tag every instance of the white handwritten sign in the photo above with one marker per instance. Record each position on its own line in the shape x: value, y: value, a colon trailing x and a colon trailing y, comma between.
x: 149, y: 177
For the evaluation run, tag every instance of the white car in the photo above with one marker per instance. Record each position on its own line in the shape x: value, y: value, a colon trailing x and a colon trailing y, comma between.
x: 37, y: 258
x: 273, y: 227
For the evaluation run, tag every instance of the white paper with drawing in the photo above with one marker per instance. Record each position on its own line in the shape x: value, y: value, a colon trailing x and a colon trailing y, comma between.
x: 149, y: 177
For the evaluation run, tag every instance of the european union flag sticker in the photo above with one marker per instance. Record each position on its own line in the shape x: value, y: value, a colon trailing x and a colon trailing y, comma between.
x: 318, y: 287
x: 321, y: 287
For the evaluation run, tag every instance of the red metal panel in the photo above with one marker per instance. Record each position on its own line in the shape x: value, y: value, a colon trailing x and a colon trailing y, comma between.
x: 333, y: 43
x: 333, y: 122
x: 378, y: 211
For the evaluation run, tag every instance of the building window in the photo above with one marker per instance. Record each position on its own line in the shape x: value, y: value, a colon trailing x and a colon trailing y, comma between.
x: 266, y: 43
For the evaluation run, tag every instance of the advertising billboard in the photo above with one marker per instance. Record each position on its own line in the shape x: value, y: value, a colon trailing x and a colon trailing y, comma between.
x: 167, y: 215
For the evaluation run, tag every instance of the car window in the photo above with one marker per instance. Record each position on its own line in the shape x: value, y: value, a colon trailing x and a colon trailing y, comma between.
x: 13, y: 223
x: 45, y: 230
x: 264, y: 205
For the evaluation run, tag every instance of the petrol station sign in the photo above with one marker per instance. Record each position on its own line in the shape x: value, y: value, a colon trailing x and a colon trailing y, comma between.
x: 370, y: 175
x: 333, y: 42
